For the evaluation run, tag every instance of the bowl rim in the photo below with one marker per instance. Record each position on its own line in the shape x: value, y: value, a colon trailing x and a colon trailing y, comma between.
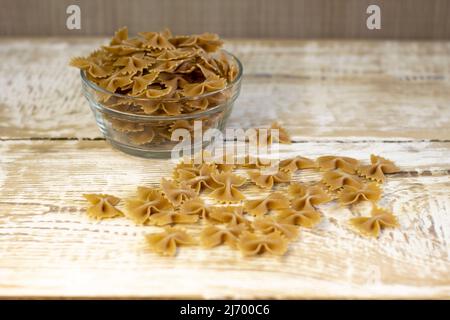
x: 123, y: 96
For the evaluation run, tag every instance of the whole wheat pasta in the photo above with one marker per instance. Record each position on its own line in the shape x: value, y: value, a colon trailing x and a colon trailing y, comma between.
x: 102, y: 206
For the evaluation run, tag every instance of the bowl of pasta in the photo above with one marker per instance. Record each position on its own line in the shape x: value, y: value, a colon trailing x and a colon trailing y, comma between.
x: 149, y: 91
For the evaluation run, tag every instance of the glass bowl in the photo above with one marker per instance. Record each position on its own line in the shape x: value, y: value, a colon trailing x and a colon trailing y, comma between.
x: 123, y: 122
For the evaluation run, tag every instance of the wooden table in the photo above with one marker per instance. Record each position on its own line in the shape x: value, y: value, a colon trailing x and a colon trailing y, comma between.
x: 350, y: 98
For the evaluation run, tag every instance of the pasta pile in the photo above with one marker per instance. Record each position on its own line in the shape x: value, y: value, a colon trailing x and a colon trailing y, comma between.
x: 160, y: 74
x: 253, y: 226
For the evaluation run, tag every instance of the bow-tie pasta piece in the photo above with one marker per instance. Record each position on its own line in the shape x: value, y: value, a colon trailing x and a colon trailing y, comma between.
x: 229, y: 215
x: 177, y: 193
x: 336, y: 179
x: 327, y: 163
x: 92, y: 68
x: 195, y: 206
x: 215, y: 235
x: 163, y: 218
x: 147, y: 202
x: 142, y: 82
x: 251, y: 244
x: 283, y: 135
x: 199, y: 180
x: 169, y: 66
x: 227, y: 68
x: 251, y: 162
x: 176, y: 54
x: 371, y: 226
x: 210, y: 42
x: 297, y: 163
x: 307, y: 218
x: 132, y: 65
x: 270, y: 224
x: 209, y: 85
x: 227, y: 187
x: 119, y: 36
x: 166, y: 242
x: 307, y: 197
x: 186, y: 165
x: 157, y: 40
x: 377, y: 169
x: 273, y: 201
x: 267, y: 180
x: 102, y: 206
x: 223, y: 162
x: 143, y: 137
x: 115, y: 82
x: 367, y: 192
x: 125, y: 126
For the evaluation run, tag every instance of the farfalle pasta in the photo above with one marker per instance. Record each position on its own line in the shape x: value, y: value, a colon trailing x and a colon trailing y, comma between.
x: 370, y: 226
x: 268, y: 225
x: 336, y: 179
x: 266, y: 180
x: 102, y: 206
x: 297, y: 163
x: 228, y: 214
x: 177, y: 193
x: 146, y: 202
x: 215, y: 235
x: 163, y: 218
x: 195, y: 206
x: 226, y: 189
x: 265, y: 224
x: 377, y: 169
x: 346, y: 164
x: 273, y: 201
x: 251, y: 243
x: 307, y: 218
x: 367, y: 192
x: 198, y: 179
x: 166, y: 242
x: 304, y: 197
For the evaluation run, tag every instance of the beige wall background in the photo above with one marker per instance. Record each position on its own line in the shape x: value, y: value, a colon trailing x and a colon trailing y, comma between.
x: 401, y: 19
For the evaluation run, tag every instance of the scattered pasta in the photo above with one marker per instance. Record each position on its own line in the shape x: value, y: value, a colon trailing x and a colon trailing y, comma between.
x: 367, y: 192
x: 371, y: 226
x: 227, y: 187
x: 267, y: 180
x: 273, y: 201
x: 102, y: 206
x: 346, y: 164
x: 254, y: 226
x: 307, y: 197
x: 307, y: 218
x: 147, y: 202
x: 251, y: 243
x: 270, y: 224
x: 376, y: 171
x: 337, y: 179
x: 297, y: 163
x: 177, y: 193
x: 166, y: 242
x: 215, y: 235
x: 229, y: 214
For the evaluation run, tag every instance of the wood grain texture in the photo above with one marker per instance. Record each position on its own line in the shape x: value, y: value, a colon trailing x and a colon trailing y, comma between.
x: 351, y: 98
x: 400, y: 19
